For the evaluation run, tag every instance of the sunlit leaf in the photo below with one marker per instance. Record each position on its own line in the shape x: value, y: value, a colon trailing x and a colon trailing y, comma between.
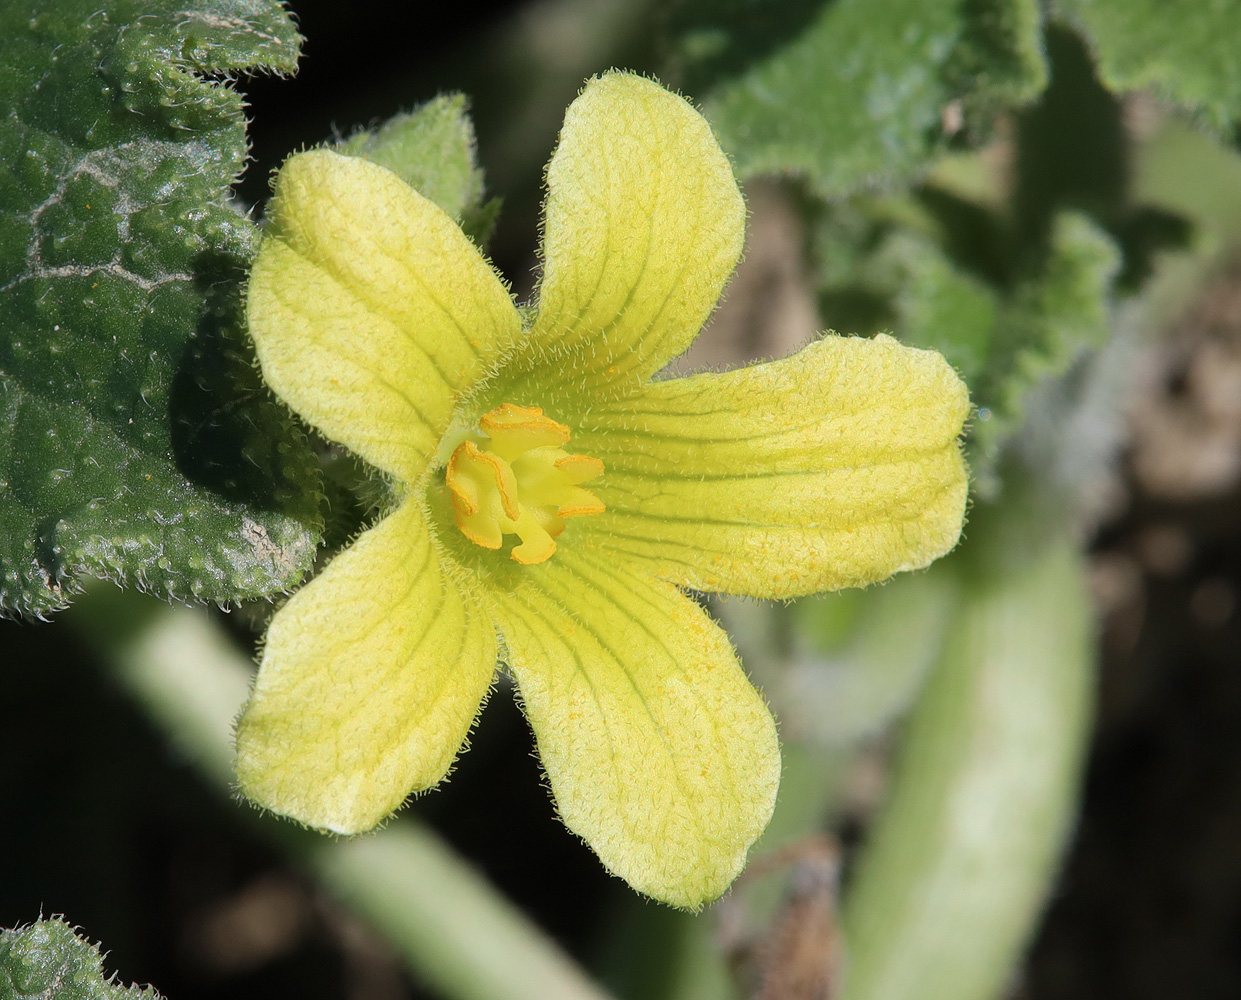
x: 432, y: 149
x: 852, y: 93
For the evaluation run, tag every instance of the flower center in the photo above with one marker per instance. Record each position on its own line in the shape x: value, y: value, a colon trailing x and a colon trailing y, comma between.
x: 515, y: 478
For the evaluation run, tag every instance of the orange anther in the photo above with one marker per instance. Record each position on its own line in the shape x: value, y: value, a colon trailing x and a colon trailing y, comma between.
x: 493, y: 497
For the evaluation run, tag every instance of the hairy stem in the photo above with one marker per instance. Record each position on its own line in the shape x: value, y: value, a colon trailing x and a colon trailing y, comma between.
x: 453, y: 929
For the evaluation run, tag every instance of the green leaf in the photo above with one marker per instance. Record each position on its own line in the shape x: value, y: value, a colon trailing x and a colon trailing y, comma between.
x: 999, y: 59
x: 1070, y: 148
x: 1185, y: 52
x: 852, y: 93
x: 942, y: 306
x: 48, y: 961
x: 433, y: 150
x: 141, y: 445
x: 1045, y: 324
x: 1008, y: 340
x: 1004, y: 334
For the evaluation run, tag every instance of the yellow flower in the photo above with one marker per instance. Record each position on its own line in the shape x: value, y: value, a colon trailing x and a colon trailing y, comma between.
x: 556, y: 498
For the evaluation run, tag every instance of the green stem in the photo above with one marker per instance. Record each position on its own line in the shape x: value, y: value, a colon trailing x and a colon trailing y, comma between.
x: 957, y: 868
x: 454, y: 930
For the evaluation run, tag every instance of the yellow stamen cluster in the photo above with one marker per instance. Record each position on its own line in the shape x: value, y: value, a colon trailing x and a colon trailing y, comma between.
x: 520, y: 482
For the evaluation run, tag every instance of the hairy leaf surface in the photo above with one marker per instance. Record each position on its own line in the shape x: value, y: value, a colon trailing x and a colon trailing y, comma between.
x: 433, y: 150
x: 48, y: 961
x: 1185, y: 52
x: 1003, y: 336
x: 851, y: 93
x: 140, y: 444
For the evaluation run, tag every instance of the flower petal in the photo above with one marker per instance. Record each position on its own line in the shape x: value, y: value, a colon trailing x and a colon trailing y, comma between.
x: 661, y: 754
x: 643, y: 226
x: 371, y: 310
x: 836, y: 467
x: 371, y: 677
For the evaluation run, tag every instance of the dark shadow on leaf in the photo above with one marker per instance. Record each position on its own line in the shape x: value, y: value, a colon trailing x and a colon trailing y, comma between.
x: 229, y: 435
x: 1143, y: 233
x: 972, y: 235
x: 856, y: 311
x: 710, y: 41
x: 1074, y: 153
x: 1071, y: 147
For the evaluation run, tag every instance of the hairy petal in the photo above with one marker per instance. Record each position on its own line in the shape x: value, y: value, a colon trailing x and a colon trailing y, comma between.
x: 371, y: 677
x: 836, y: 467
x: 644, y: 224
x: 661, y: 754
x: 370, y: 310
